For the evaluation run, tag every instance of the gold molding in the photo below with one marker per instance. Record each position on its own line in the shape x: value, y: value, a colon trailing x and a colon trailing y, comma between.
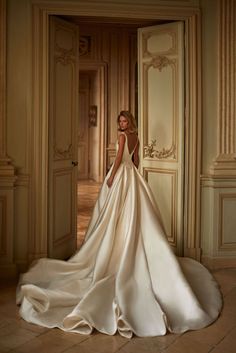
x: 218, y: 181
x: 161, y: 61
x: 23, y: 180
x: 164, y: 153
x: 65, y: 57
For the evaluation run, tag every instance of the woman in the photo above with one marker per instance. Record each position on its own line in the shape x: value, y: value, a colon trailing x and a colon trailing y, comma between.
x: 125, y: 277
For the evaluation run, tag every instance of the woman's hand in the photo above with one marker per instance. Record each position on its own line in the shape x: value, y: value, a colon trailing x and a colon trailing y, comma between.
x: 109, y: 181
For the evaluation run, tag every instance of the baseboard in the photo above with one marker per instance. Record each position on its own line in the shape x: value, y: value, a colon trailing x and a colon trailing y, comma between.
x: 8, y: 271
x: 215, y: 263
x: 12, y: 271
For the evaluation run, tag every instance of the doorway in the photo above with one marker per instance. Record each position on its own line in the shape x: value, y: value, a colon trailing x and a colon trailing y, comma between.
x: 191, y: 19
x: 161, y: 115
x: 120, y: 54
x: 91, y: 138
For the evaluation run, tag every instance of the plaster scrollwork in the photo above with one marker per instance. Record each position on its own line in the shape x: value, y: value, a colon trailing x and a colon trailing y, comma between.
x: 164, y: 153
x: 65, y: 56
x: 62, y: 153
x: 84, y: 45
x: 161, y: 61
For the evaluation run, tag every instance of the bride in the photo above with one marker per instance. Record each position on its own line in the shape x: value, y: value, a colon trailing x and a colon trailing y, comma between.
x: 125, y: 277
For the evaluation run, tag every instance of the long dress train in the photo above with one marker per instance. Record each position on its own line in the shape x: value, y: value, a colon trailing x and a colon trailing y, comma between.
x: 125, y: 277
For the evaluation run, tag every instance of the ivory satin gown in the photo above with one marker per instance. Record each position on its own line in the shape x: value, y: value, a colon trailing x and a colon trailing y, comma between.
x: 125, y: 277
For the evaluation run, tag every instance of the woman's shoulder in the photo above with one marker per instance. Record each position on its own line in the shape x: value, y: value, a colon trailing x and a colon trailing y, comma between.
x: 121, y: 135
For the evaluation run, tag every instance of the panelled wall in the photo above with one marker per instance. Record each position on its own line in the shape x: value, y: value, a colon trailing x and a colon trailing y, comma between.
x: 218, y: 180
x: 15, y: 139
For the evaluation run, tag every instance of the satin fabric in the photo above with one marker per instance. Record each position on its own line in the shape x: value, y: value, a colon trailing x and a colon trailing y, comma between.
x: 125, y: 277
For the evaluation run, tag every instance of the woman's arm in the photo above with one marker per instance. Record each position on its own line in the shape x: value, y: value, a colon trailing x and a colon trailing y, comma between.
x: 136, y: 156
x: 117, y: 160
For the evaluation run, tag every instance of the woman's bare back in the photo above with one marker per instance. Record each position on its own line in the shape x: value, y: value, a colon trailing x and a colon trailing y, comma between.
x: 132, y: 141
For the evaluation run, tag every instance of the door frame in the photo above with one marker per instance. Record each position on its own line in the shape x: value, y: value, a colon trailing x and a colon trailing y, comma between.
x: 41, y: 11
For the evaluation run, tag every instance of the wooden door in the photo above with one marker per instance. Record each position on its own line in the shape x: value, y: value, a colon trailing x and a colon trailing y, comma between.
x: 161, y: 121
x: 63, y: 135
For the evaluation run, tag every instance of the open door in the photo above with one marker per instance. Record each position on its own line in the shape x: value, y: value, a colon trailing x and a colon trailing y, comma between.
x: 63, y: 135
x: 161, y: 121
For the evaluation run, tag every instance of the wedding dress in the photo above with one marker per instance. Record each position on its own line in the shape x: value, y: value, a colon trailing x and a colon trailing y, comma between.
x: 125, y: 277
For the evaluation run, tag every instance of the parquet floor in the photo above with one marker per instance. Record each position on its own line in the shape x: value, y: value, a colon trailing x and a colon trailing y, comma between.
x: 18, y: 336
x: 87, y: 195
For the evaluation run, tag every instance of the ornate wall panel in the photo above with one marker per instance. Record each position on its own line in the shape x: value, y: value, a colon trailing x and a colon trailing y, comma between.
x: 7, y: 266
x: 62, y: 99
x: 218, y: 221
x: 165, y: 181
x: 62, y: 204
x: 160, y: 50
x: 227, y: 221
x: 161, y: 69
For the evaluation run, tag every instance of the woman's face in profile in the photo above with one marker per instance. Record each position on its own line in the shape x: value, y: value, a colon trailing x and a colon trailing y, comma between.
x: 124, y: 123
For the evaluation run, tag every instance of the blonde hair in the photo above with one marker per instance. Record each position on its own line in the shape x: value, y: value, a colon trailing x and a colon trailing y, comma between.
x: 131, y: 120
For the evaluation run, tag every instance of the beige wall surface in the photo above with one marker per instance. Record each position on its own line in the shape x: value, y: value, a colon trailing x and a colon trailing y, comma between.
x: 218, y: 207
x: 209, y: 83
x: 18, y: 82
x: 20, y: 119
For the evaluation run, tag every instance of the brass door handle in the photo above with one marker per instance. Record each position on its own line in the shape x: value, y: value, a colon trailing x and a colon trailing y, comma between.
x: 75, y: 163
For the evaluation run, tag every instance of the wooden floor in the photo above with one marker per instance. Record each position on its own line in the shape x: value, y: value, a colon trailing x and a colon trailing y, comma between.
x: 17, y: 336
x: 87, y: 194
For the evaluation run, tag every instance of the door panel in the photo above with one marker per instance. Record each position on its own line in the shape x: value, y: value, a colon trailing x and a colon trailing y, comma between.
x: 161, y: 116
x: 83, y: 148
x: 63, y: 115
